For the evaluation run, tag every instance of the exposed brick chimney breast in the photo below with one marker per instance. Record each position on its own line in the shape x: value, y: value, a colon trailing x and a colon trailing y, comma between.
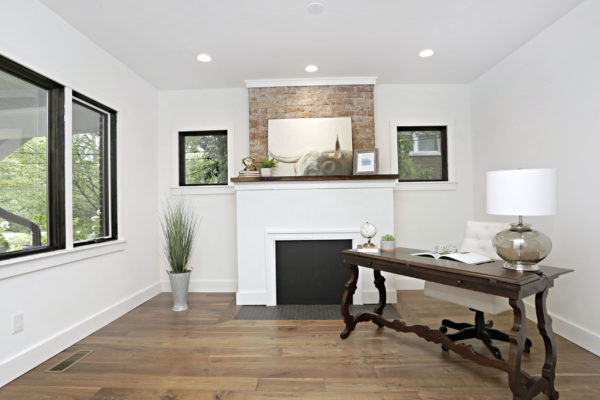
x: 355, y: 101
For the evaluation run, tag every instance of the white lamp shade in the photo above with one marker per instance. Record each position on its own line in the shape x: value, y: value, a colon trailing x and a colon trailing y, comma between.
x: 526, y: 192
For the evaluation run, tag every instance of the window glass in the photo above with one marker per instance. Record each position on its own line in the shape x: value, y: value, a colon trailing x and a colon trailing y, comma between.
x: 203, y: 158
x: 23, y: 164
x: 91, y: 206
x: 422, y: 154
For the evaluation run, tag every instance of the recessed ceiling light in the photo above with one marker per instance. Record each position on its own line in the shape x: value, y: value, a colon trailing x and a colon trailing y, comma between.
x: 204, y: 58
x: 311, y: 68
x: 426, y: 53
x: 315, y: 8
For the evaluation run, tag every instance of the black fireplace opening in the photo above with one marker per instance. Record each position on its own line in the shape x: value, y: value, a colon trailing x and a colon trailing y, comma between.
x: 311, y: 271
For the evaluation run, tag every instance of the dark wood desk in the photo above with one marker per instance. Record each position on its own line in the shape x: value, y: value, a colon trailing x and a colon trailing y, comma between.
x: 487, y: 278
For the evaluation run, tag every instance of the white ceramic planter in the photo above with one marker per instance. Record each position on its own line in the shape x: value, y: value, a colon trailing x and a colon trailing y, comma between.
x: 388, y: 246
x: 179, y: 289
x: 266, y: 172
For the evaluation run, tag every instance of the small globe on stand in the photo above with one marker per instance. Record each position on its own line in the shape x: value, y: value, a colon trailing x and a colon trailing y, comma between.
x: 368, y: 231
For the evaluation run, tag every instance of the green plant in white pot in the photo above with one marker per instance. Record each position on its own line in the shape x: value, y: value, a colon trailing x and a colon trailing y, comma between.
x: 388, y: 243
x: 179, y: 226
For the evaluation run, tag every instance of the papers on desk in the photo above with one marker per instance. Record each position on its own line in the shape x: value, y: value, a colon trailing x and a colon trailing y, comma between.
x: 467, y: 258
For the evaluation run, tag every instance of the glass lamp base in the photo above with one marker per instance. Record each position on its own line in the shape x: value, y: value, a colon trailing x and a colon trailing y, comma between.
x: 522, y: 248
x: 521, y: 267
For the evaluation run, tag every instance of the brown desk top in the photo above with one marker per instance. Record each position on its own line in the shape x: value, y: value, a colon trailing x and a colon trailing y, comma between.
x: 492, y: 270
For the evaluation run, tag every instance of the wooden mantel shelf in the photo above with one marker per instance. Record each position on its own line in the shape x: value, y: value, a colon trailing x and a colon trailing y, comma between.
x: 313, y: 178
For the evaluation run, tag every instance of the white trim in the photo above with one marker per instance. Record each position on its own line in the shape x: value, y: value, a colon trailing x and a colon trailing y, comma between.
x: 195, y: 128
x: 206, y: 286
x: 201, y: 190
x: 408, y: 283
x: 29, y: 358
x: 394, y: 124
x: 274, y: 235
x: 251, y: 298
x: 24, y: 265
x: 424, y: 153
x: 343, y: 80
x: 401, y: 186
x: 569, y: 330
x: 303, y: 185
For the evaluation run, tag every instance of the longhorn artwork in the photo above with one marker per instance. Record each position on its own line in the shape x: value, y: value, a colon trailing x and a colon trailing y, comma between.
x: 311, y: 146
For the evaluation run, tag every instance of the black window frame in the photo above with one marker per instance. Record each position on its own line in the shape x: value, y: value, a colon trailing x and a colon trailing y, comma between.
x: 444, y: 149
x: 55, y: 158
x: 181, y: 155
x: 109, y: 169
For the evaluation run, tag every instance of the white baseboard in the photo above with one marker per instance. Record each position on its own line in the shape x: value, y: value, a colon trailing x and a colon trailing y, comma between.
x: 372, y: 296
x: 206, y: 286
x: 407, y: 283
x: 577, y: 334
x: 22, y: 362
x: 251, y: 298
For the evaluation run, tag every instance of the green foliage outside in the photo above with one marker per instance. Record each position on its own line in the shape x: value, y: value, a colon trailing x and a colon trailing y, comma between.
x: 23, y: 190
x: 407, y: 170
x: 206, y: 159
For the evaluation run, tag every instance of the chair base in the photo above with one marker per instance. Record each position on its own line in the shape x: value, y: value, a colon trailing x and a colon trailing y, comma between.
x: 480, y: 330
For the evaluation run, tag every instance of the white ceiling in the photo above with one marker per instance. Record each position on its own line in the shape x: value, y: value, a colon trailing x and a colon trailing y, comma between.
x: 159, y: 39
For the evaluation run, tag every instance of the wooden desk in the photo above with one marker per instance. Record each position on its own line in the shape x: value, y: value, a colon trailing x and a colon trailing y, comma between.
x: 488, y: 278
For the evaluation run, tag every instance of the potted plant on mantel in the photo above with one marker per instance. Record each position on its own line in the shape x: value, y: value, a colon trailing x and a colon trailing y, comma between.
x: 179, y: 226
x: 266, y: 166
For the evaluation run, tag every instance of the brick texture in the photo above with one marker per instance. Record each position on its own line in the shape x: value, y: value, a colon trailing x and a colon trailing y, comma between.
x: 355, y: 101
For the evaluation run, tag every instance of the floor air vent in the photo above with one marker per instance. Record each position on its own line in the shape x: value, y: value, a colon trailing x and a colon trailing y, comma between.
x: 69, y: 361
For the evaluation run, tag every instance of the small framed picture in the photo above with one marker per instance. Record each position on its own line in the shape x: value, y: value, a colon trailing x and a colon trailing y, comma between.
x: 365, y: 162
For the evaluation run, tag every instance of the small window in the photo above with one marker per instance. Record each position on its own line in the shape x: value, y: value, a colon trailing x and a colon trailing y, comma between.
x: 422, y: 153
x: 93, y: 154
x: 203, y: 158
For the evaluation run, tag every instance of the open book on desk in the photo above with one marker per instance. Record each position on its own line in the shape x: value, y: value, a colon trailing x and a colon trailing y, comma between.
x: 467, y: 258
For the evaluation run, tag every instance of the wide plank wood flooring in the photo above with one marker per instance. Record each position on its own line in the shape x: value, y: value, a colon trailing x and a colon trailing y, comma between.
x: 154, y: 353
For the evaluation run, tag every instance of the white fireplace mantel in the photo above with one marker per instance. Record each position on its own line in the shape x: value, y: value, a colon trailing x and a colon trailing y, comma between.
x: 269, y: 211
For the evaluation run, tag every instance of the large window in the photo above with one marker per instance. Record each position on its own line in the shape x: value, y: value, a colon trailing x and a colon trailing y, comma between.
x: 31, y: 162
x: 203, y: 158
x: 422, y: 153
x: 93, y: 150
x: 33, y: 198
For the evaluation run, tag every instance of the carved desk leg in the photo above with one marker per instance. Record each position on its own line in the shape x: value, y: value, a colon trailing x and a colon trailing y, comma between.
x: 346, y: 300
x: 517, y: 344
x: 380, y: 285
x: 545, y: 328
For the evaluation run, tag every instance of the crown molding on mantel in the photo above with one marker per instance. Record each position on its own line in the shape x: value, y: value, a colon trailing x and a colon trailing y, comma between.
x: 346, y: 80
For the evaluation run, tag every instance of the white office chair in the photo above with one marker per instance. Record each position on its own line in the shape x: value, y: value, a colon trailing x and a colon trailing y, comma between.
x: 478, y: 239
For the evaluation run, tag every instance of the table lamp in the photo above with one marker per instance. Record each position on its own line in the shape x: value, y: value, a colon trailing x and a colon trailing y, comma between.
x: 522, y: 192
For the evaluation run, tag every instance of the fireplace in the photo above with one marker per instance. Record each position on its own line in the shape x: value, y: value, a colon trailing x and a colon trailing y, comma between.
x: 310, y: 271
x: 273, y: 211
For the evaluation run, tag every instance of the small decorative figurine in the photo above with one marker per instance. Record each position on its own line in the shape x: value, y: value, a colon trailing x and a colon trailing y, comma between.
x: 248, y: 163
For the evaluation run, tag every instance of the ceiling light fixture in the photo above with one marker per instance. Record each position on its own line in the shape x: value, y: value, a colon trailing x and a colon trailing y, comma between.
x: 315, y: 8
x: 204, y: 58
x: 426, y: 53
x: 311, y: 68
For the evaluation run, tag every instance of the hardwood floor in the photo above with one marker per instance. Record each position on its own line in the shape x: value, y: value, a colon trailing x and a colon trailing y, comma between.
x: 154, y: 353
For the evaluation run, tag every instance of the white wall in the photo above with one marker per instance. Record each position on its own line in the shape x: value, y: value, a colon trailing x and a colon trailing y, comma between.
x: 214, y: 260
x: 540, y: 108
x: 423, y: 218
x: 65, y: 303
x: 427, y: 217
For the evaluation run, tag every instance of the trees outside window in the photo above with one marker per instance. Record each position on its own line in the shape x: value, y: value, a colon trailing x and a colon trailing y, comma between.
x: 203, y: 158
